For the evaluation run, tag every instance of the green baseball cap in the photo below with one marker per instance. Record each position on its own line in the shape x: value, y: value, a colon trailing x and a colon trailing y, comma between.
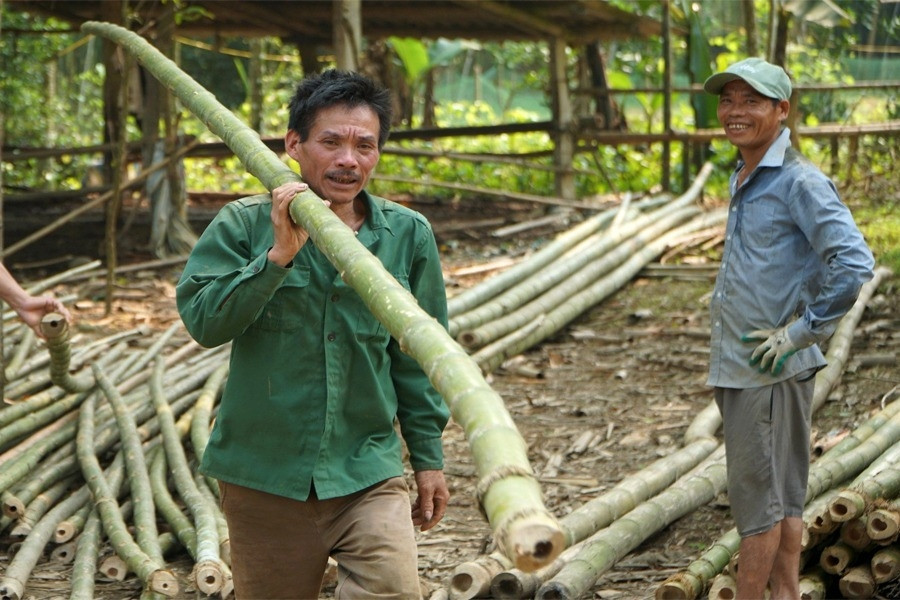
x: 767, y: 79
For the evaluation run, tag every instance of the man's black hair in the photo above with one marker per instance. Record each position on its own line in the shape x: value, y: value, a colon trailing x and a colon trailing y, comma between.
x: 334, y: 87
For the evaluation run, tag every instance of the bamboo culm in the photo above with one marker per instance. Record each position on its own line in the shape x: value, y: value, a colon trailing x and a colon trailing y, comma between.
x: 510, y: 494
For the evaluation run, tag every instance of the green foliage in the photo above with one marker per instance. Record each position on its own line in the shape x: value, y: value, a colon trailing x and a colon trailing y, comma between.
x: 413, y: 55
x: 880, y: 223
x: 46, y: 90
x: 511, y: 80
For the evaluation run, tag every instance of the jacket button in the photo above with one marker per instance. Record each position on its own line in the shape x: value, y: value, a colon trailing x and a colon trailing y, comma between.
x: 331, y: 337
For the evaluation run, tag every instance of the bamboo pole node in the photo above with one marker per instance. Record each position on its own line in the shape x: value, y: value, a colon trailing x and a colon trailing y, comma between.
x: 502, y: 472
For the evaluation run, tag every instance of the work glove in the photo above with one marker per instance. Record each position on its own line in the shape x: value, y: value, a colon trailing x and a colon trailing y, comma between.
x: 773, y: 352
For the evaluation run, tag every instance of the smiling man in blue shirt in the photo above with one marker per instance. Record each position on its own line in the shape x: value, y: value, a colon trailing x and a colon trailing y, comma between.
x: 792, y: 266
x: 304, y: 444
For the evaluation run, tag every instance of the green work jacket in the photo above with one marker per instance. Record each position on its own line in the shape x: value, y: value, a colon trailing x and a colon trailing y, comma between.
x: 316, y: 383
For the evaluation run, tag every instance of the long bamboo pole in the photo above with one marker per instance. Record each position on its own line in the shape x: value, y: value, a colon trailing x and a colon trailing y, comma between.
x: 509, y: 491
x: 208, y: 573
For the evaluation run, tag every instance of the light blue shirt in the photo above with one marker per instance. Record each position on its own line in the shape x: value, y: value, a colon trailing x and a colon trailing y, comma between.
x: 793, y: 254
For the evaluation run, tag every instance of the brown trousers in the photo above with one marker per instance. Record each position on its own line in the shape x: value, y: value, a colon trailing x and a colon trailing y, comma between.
x: 280, y: 547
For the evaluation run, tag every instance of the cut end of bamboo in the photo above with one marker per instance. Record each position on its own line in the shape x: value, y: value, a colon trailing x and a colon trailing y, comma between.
x: 164, y: 582
x: 675, y: 588
x: 53, y: 325
x: 14, y: 508
x: 535, y: 545
x: 114, y: 567
x: 11, y: 589
x: 472, y: 580
x: 208, y: 577
x: 65, y: 531
x: 64, y: 553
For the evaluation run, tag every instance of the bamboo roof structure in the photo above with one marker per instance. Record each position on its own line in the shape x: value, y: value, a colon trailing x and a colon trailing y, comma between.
x: 575, y: 21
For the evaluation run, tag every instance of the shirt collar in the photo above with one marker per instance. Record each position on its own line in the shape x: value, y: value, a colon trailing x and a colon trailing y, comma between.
x: 374, y: 214
x: 774, y: 156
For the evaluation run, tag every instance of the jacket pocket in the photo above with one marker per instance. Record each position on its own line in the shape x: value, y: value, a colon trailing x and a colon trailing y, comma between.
x: 289, y: 306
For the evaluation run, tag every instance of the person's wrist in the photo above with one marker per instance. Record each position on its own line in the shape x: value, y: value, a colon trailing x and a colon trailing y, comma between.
x: 278, y: 258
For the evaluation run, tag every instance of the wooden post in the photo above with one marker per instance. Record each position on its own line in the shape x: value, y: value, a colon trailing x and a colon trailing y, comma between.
x: 563, y: 134
x: 667, y: 96
x: 347, y: 33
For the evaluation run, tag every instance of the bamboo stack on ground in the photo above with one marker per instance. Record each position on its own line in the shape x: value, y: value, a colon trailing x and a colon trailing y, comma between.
x: 513, y: 298
x: 39, y: 462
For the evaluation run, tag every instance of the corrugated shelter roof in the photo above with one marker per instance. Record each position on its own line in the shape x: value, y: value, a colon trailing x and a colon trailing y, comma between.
x: 576, y: 21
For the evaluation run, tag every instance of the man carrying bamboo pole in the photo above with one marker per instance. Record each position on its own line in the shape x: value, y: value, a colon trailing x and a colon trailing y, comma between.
x: 792, y: 266
x: 304, y: 444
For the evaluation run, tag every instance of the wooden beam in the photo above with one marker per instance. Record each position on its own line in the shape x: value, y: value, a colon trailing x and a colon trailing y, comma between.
x: 515, y: 18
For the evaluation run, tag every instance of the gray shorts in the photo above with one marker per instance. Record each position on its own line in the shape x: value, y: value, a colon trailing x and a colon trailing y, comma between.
x: 767, y: 451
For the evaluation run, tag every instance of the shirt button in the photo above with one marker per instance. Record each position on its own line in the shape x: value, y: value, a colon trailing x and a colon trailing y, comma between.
x: 733, y: 208
x: 718, y: 324
x: 331, y: 337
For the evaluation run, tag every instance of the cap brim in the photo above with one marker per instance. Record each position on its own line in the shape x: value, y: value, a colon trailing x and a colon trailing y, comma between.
x: 716, y: 82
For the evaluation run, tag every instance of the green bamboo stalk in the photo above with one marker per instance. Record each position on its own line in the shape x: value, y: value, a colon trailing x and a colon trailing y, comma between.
x: 212, y: 497
x: 474, y: 296
x: 45, y: 500
x: 853, y: 533
x: 56, y: 331
x: 200, y: 427
x: 851, y: 455
x: 12, y: 585
x: 603, y: 510
x: 556, y: 316
x: 840, y: 341
x: 836, y: 558
x: 577, y: 259
x: 881, y: 479
x: 510, y: 311
x: 825, y: 474
x: 147, y: 568
x: 29, y: 424
x: 168, y: 508
x: 23, y: 349
x: 85, y: 563
x: 602, y: 550
x: 147, y: 535
x: 87, y: 547
x: 207, y: 573
x: 74, y: 525
x: 509, y: 491
x: 534, y: 279
x: 155, y: 349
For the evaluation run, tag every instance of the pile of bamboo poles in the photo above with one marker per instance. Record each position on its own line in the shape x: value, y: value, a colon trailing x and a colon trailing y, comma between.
x: 604, y: 530
x: 520, y: 307
x: 93, y: 446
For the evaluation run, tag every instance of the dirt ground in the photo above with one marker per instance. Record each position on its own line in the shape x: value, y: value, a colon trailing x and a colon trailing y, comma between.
x: 628, y: 375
